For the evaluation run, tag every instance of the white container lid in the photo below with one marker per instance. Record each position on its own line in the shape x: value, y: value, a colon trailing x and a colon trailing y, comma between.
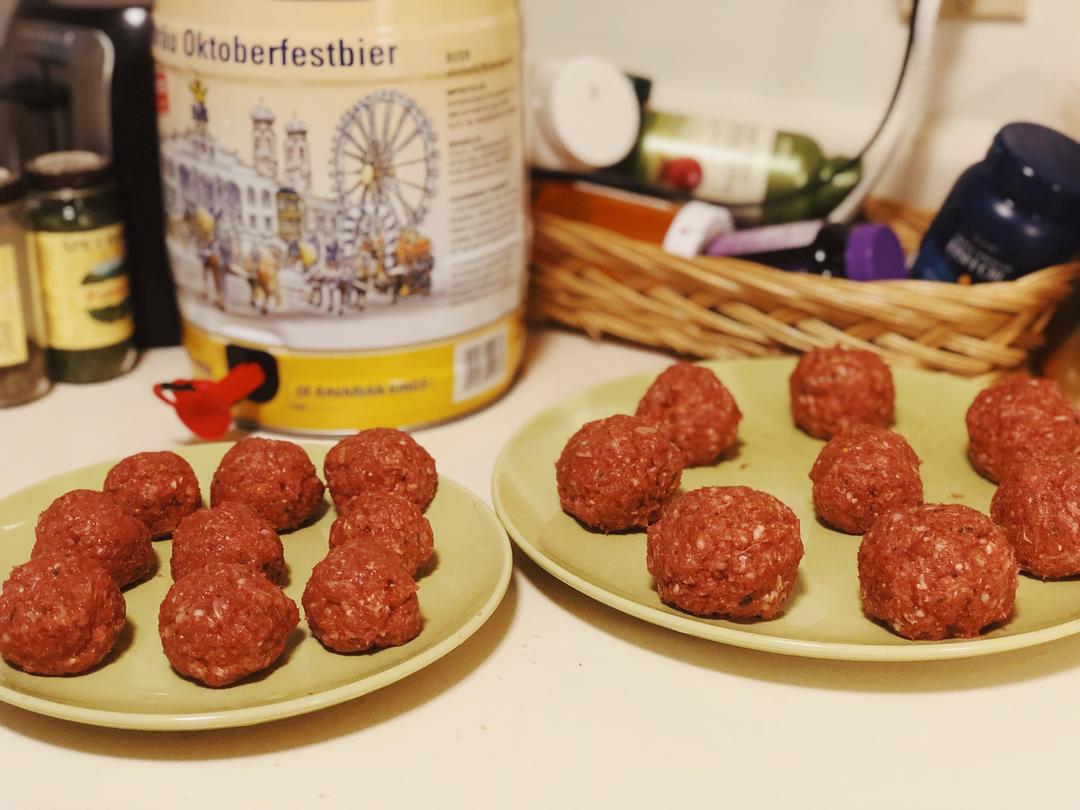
x: 585, y: 114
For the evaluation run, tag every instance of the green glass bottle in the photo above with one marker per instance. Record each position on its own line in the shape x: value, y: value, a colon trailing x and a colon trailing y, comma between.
x: 765, y: 175
x: 77, y: 244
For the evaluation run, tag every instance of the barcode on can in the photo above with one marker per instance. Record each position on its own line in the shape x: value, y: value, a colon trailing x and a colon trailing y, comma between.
x: 480, y: 364
x: 7, y: 339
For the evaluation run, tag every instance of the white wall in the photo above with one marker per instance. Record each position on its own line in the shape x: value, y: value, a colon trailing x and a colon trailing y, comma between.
x: 827, y: 68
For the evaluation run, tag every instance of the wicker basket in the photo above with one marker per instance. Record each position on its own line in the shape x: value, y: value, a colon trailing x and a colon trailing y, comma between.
x: 603, y: 283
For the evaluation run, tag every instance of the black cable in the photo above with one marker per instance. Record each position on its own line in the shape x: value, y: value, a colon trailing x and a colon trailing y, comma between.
x: 619, y: 180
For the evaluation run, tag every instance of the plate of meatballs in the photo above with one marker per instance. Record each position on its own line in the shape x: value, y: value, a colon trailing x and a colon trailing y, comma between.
x: 828, y: 507
x: 232, y: 584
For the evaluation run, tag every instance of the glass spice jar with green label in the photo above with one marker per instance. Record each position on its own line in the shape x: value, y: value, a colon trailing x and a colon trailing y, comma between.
x: 77, y: 243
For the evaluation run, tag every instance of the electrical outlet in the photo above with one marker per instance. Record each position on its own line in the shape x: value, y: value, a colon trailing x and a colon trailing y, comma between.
x: 1006, y: 10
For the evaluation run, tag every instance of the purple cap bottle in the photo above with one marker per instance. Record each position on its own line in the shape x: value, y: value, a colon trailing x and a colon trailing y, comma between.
x: 863, y: 252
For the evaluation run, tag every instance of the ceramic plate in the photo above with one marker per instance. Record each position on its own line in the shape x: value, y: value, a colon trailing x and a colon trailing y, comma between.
x: 136, y: 688
x: 824, y: 618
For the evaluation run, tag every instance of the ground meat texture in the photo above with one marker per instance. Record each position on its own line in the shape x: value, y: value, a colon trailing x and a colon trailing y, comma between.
x: 157, y: 488
x: 832, y: 389
x: 380, y: 460
x: 92, y: 524
x: 59, y: 615
x: 361, y: 597
x: 937, y: 571
x: 699, y: 413
x: 1038, y: 507
x: 275, y: 478
x: 725, y: 551
x: 223, y: 622
x: 1017, y: 419
x: 618, y: 473
x: 390, y: 521
x: 229, y: 532
x: 862, y: 473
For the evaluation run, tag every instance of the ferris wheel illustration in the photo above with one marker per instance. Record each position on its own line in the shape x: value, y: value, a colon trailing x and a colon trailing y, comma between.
x: 383, y: 164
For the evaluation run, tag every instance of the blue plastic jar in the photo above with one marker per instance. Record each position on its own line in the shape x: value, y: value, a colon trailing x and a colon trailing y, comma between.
x: 1015, y: 212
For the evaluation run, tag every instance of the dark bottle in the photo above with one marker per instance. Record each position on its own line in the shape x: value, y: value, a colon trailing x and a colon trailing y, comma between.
x: 1016, y: 211
x: 78, y: 246
x: 863, y: 252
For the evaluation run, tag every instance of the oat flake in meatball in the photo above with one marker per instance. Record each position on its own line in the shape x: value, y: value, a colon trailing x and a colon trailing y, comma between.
x: 275, y: 478
x: 59, y: 615
x: 698, y: 411
x: 862, y: 473
x: 832, y: 389
x: 92, y: 523
x: 725, y: 551
x: 618, y: 473
x: 1019, y: 418
x: 223, y: 622
x: 157, y: 488
x: 937, y: 571
x: 229, y: 532
x: 361, y: 597
x: 380, y: 460
x: 1038, y: 506
x: 389, y: 520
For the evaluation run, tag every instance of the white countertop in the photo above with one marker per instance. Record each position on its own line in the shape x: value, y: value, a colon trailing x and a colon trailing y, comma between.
x: 558, y: 701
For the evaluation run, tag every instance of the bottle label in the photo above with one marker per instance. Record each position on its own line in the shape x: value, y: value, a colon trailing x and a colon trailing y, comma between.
x: 714, y: 160
x: 974, y: 262
x: 959, y: 259
x: 767, y: 239
x: 12, y: 327
x: 85, y: 286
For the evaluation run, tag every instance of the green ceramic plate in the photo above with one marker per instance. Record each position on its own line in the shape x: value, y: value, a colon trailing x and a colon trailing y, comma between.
x: 824, y: 618
x: 136, y: 688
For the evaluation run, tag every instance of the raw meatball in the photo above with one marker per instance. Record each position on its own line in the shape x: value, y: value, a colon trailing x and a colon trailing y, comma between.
x: 157, y: 488
x: 389, y: 520
x: 59, y: 615
x: 1038, y: 506
x: 832, y: 389
x: 230, y: 532
x: 273, y: 477
x: 698, y: 411
x: 361, y: 597
x: 725, y: 551
x: 617, y: 473
x: 862, y: 473
x: 937, y: 571
x: 223, y: 622
x: 92, y: 523
x: 1017, y: 419
x: 380, y: 460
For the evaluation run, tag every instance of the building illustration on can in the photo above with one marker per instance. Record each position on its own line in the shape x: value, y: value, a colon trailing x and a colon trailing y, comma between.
x: 260, y: 236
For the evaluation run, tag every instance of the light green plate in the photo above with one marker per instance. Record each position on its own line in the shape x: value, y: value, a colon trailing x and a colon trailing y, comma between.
x: 824, y: 618
x: 136, y: 688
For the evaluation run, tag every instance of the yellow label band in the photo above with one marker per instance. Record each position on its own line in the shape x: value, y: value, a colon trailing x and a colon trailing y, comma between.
x: 343, y: 392
x: 85, y: 287
x: 13, y: 350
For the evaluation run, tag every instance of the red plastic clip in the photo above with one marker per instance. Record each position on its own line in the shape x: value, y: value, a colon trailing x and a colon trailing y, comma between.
x: 205, y: 406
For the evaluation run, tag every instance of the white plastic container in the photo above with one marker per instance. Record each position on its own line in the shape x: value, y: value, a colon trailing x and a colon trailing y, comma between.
x: 583, y: 114
x: 345, y: 196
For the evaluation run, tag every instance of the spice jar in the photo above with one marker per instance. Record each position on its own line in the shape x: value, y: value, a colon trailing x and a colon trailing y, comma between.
x: 22, y: 354
x: 78, y: 246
